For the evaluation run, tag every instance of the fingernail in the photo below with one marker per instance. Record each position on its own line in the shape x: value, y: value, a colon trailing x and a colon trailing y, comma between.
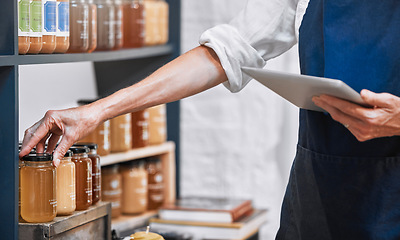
x: 56, y: 162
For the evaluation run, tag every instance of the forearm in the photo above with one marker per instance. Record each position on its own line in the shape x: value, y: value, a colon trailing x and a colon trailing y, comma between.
x: 189, y: 74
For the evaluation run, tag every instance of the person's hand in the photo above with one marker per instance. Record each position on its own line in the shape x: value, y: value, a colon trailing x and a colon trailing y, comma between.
x: 380, y: 120
x: 70, y: 125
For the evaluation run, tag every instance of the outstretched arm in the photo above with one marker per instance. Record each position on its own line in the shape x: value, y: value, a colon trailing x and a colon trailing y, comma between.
x: 189, y: 74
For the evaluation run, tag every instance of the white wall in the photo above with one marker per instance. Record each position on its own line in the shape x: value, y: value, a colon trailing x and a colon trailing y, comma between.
x: 236, y: 145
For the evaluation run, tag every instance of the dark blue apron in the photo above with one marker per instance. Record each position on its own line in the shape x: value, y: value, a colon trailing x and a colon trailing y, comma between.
x: 340, y: 188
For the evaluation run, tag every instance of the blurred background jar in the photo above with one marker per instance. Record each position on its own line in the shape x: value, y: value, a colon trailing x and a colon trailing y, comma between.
x: 105, y: 25
x: 118, y: 24
x: 38, y: 188
x: 111, y: 182
x: 134, y: 187
x: 133, y: 27
x: 121, y: 135
x: 23, y: 26
x: 155, y: 195
x: 62, y: 31
x: 66, y: 200
x: 83, y: 180
x: 92, y: 26
x: 49, y: 25
x: 79, y: 26
x: 157, y: 124
x: 163, y: 21
x: 152, y: 32
x: 35, y: 26
x: 140, y: 129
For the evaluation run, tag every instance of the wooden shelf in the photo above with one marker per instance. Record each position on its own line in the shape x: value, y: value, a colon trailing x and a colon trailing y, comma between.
x: 133, y: 154
x: 124, y: 54
x: 125, y: 223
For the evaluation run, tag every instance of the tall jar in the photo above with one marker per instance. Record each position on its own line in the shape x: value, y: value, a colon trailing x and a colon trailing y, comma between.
x: 134, y: 187
x: 121, y: 136
x: 66, y: 196
x: 140, y: 128
x: 79, y: 26
x: 118, y: 24
x: 133, y: 33
x: 62, y: 32
x: 155, y: 195
x: 23, y: 26
x: 92, y: 26
x: 83, y: 180
x: 157, y: 124
x: 38, y: 188
x: 35, y: 26
x: 96, y: 170
x: 163, y: 21
x: 49, y: 25
x: 111, y: 182
x: 105, y: 25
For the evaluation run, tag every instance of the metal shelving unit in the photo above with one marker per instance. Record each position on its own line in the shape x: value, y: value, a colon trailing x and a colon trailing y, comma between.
x: 116, y: 69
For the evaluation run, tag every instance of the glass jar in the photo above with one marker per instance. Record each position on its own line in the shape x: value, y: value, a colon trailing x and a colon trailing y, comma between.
x: 155, y: 195
x: 79, y: 26
x: 83, y: 180
x: 157, y: 124
x: 105, y: 25
x: 163, y: 21
x: 134, y: 187
x: 121, y: 136
x: 38, y: 188
x: 111, y: 183
x: 118, y: 24
x: 96, y: 170
x: 35, y: 26
x: 62, y: 32
x: 133, y: 23
x: 140, y: 129
x: 92, y: 26
x: 20, y: 165
x: 66, y: 196
x: 23, y: 26
x: 49, y: 25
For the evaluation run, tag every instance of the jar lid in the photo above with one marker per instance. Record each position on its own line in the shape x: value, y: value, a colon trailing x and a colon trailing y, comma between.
x: 79, y: 149
x: 38, y: 157
x: 91, y: 146
x: 68, y: 153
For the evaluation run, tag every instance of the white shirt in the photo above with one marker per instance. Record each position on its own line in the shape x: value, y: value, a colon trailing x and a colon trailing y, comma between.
x: 263, y: 30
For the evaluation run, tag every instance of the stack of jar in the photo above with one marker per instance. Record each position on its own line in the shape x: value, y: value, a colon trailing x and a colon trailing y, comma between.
x: 46, y: 191
x: 130, y: 131
x: 133, y: 187
x: 80, y: 26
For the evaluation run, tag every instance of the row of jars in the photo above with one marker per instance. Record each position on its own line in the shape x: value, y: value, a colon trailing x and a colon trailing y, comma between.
x: 133, y: 187
x: 129, y: 131
x: 78, y: 26
x: 46, y: 191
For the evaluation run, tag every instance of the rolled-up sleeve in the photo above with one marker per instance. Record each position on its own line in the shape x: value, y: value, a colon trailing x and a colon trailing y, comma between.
x: 263, y: 30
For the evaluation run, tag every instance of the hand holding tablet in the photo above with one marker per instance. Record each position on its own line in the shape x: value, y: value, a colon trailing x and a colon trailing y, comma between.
x: 299, y: 89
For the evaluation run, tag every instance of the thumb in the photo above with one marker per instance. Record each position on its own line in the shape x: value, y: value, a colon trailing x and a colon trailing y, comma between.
x: 375, y: 99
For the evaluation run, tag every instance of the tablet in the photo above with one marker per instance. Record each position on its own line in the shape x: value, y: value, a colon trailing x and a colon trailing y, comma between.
x: 299, y: 89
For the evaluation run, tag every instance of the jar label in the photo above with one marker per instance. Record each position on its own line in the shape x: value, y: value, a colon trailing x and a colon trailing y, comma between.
x: 35, y: 22
x: 23, y: 18
x: 63, y: 19
x: 49, y: 17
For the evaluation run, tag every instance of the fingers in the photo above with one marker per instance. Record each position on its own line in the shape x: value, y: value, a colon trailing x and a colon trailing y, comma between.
x: 52, y: 143
x: 61, y: 149
x: 376, y: 99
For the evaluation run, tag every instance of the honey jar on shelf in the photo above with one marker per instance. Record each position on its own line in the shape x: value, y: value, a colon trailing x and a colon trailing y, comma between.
x: 157, y: 124
x: 134, y: 187
x: 111, y: 182
x: 62, y: 31
x: 66, y: 196
x: 140, y: 129
x: 83, y: 180
x: 121, y: 135
x: 133, y: 27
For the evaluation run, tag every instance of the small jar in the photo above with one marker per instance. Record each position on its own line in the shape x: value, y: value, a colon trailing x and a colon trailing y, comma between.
x: 96, y: 170
x: 118, y: 23
x: 151, y: 22
x: 133, y: 23
x: 66, y: 200
x: 49, y: 25
x: 38, y: 188
x: 62, y: 32
x: 121, y: 136
x: 155, y: 195
x: 140, y: 128
x: 157, y: 124
x: 111, y: 183
x: 35, y: 26
x: 163, y: 21
x: 105, y: 25
x: 79, y: 26
x: 92, y: 26
x: 103, y: 138
x: 83, y: 180
x: 134, y: 187
x: 23, y: 26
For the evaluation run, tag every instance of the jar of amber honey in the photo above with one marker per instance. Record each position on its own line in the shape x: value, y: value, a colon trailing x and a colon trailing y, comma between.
x: 140, y: 128
x: 111, y: 183
x: 121, y: 135
x: 66, y: 200
x: 83, y: 180
x: 134, y: 187
x: 38, y: 188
